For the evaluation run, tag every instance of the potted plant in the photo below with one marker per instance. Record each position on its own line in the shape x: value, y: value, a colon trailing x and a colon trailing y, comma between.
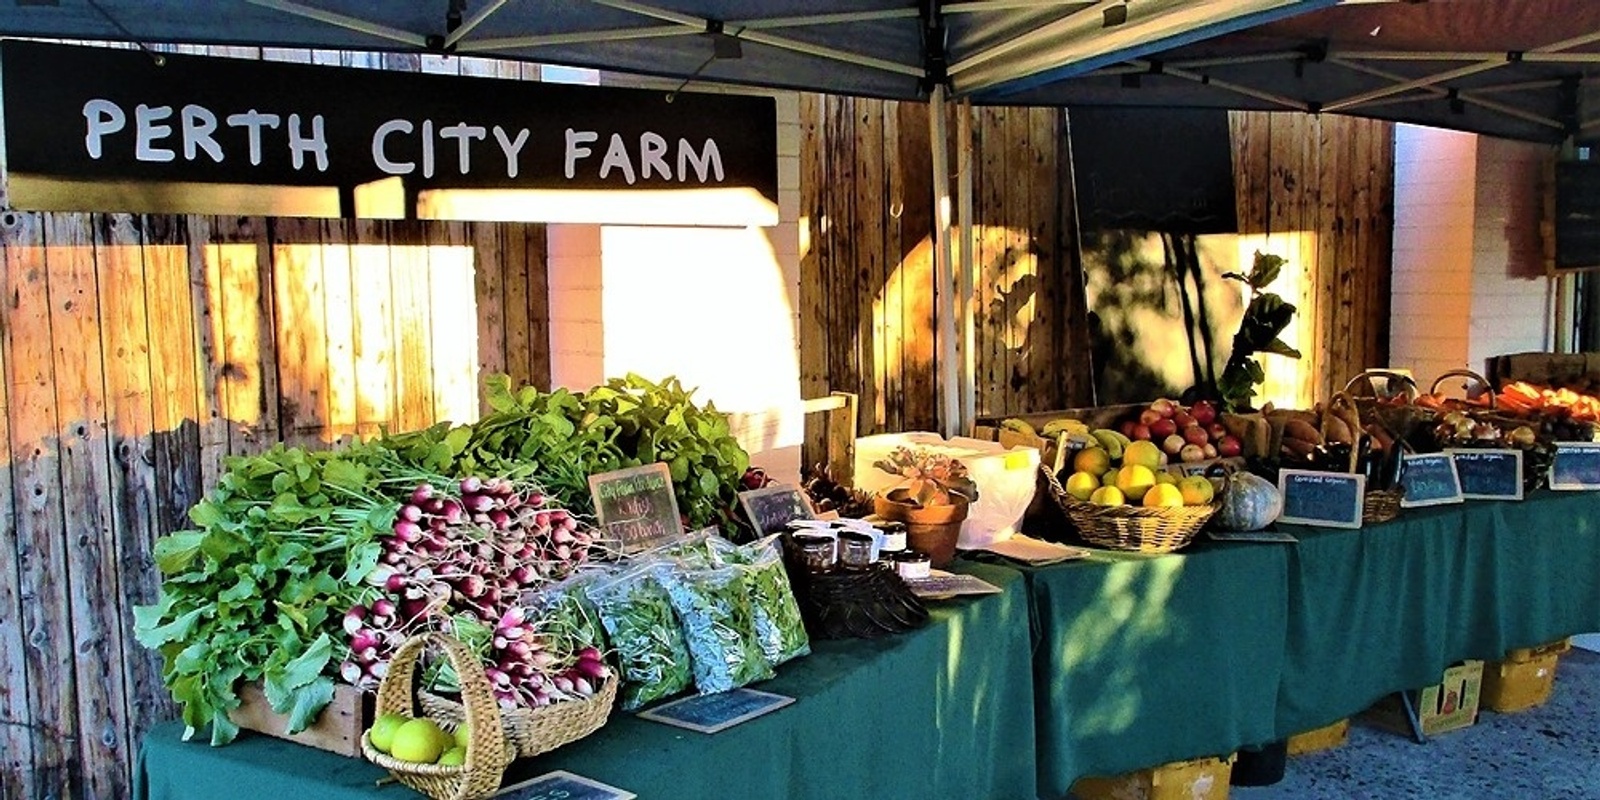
x: 931, y: 499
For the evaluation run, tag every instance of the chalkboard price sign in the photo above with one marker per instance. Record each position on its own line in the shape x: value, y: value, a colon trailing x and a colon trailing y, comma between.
x: 1489, y: 474
x: 1332, y: 499
x: 771, y: 509
x: 636, y: 507
x: 563, y: 785
x: 1576, y: 466
x: 1430, y: 480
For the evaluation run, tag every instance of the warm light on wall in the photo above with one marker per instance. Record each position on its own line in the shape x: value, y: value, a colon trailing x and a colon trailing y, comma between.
x: 725, y: 206
x: 1289, y: 381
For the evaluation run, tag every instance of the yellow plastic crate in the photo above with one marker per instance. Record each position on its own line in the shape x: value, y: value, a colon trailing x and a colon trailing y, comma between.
x: 1316, y: 740
x: 1523, y: 655
x: 1197, y: 779
x: 1510, y: 686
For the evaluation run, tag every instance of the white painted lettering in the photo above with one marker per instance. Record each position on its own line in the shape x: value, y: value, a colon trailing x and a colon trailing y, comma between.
x: 427, y: 148
x: 575, y: 152
x: 382, y: 159
x: 198, y: 126
x: 253, y: 121
x: 617, y: 156
x: 147, y: 131
x: 300, y: 144
x: 652, y: 155
x: 511, y: 147
x: 709, y: 156
x: 463, y: 134
x: 101, y: 117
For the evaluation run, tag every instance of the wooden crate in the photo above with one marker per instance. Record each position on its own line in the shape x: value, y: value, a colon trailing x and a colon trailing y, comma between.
x: 338, y: 728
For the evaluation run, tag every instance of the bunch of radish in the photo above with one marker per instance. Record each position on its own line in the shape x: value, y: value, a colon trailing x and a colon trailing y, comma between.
x: 472, y: 550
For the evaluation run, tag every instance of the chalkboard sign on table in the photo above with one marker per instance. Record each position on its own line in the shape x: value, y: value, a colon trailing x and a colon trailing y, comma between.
x: 1489, y: 474
x: 636, y: 507
x: 710, y: 713
x: 1430, y: 479
x: 772, y: 508
x: 1576, y: 466
x: 1332, y: 499
x: 562, y: 785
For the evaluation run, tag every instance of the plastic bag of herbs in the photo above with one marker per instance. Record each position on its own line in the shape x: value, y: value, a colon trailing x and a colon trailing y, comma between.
x: 637, y: 614
x: 565, y: 607
x: 719, y: 625
x: 780, y: 630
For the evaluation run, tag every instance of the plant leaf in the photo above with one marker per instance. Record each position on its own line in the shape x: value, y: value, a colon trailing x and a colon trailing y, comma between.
x: 174, y: 631
x: 176, y: 551
x: 309, y: 700
x: 1280, y: 347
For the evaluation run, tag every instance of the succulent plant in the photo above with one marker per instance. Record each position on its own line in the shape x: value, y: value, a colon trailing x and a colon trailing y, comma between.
x: 929, y: 478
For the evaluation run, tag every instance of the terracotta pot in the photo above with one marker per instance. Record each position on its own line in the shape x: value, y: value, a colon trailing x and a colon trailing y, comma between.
x: 932, y: 530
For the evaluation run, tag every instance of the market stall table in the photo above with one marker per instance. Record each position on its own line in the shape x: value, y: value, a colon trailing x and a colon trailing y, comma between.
x: 945, y: 711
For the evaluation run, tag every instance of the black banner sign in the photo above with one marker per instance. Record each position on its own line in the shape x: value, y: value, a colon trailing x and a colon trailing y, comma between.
x: 373, y: 143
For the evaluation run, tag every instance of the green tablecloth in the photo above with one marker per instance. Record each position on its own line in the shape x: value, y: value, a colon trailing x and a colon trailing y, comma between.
x: 946, y: 711
x: 1144, y: 660
x: 1389, y: 607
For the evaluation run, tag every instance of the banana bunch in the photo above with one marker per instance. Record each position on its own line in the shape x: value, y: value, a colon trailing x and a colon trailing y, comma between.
x: 1113, y: 441
x: 1051, y: 430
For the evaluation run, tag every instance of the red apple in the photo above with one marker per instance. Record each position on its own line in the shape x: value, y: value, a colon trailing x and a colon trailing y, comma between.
x: 1149, y: 416
x: 1217, y: 431
x: 1204, y: 413
x: 1183, y: 419
x: 1229, y: 447
x: 1191, y: 453
x: 1128, y: 427
x: 1173, y: 444
x: 1164, y: 407
x: 1140, y: 431
x: 1194, y: 434
x: 1162, y: 428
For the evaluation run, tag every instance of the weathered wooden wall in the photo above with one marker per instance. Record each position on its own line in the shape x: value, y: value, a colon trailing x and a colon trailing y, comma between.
x: 1319, y: 191
x: 867, y: 262
x: 139, y: 352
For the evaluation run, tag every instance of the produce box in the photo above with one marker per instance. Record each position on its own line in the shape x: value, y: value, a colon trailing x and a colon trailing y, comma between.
x: 337, y: 729
x: 1197, y: 779
x: 1448, y: 705
x: 1524, y: 680
x: 1316, y: 740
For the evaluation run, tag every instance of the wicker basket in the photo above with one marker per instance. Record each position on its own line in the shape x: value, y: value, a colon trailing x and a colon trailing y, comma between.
x: 487, y: 751
x: 1381, y: 505
x: 1131, y: 528
x: 531, y: 731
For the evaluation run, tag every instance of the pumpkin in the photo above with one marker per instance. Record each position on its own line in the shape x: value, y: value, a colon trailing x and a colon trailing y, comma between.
x: 1249, y: 503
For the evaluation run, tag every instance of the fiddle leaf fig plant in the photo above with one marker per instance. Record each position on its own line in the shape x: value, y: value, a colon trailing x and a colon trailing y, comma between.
x: 1265, y: 318
x: 929, y: 478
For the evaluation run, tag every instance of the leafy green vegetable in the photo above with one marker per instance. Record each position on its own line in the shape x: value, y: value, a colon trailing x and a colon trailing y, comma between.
x: 650, y: 648
x: 780, y: 630
x: 719, y: 627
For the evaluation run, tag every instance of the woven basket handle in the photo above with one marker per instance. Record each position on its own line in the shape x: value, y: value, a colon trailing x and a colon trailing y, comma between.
x: 1366, y: 377
x: 487, y: 744
x: 1481, y: 381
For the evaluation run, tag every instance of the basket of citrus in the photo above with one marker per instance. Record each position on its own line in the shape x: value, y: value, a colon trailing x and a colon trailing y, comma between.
x: 462, y: 765
x: 1135, y: 505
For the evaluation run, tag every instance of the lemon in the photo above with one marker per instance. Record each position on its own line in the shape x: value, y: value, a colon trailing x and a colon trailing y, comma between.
x: 1134, y: 480
x: 1197, y: 490
x: 1107, y: 496
x: 454, y: 757
x: 418, y: 741
x: 1092, y: 459
x: 463, y: 733
x: 1082, y: 484
x: 381, y: 734
x: 1163, y: 495
x: 1110, y: 478
x: 1163, y: 476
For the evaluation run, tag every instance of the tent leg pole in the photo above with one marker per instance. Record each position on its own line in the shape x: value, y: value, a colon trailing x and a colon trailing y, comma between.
x: 943, y: 282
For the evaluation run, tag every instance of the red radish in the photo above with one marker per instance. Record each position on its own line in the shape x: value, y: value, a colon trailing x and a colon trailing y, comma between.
x: 383, y: 608
x: 407, y: 531
x: 350, y: 672
x: 410, y: 513
x: 471, y: 485
x: 354, y: 618
x: 422, y: 493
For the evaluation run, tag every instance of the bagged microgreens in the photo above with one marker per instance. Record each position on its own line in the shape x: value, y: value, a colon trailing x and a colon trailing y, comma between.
x: 564, y: 607
x: 718, y: 626
x: 652, y: 657
x: 780, y: 630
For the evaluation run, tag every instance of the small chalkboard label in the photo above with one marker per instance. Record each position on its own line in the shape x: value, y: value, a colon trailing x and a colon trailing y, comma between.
x: 771, y: 509
x: 562, y: 785
x: 1576, y: 466
x: 709, y: 713
x: 1489, y: 474
x: 636, y: 507
x: 1430, y: 480
x: 1333, y: 499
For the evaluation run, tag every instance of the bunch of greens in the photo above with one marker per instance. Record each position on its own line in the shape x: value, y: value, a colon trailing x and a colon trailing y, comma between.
x: 644, y: 633
x: 780, y: 630
x: 1265, y: 319
x: 256, y: 591
x: 719, y: 626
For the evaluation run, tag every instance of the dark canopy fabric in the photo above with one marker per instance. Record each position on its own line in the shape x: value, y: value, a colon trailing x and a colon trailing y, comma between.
x: 1514, y: 68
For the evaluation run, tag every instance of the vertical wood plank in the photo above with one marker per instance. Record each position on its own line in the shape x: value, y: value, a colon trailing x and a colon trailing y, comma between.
x: 991, y: 356
x: 537, y: 254
x: 234, y: 253
x: 916, y: 248
x: 488, y: 284
x: 1019, y: 275
x: 893, y: 282
x: 173, y: 372
x: 372, y: 328
x: 302, y: 339
x: 868, y: 228
x: 206, y: 299
x: 520, y: 343
x: 1046, y: 361
x: 125, y: 341
x: 16, y: 750
x: 1330, y: 217
x: 812, y: 324
x: 338, y: 307
x: 48, y: 741
x: 414, y: 392
x: 453, y: 343
x: 91, y: 576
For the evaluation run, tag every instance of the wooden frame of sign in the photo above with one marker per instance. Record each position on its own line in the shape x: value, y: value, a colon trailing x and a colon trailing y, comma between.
x: 636, y: 507
x: 1471, y: 454
x: 771, y: 508
x: 1303, y: 477
x: 1567, y: 475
